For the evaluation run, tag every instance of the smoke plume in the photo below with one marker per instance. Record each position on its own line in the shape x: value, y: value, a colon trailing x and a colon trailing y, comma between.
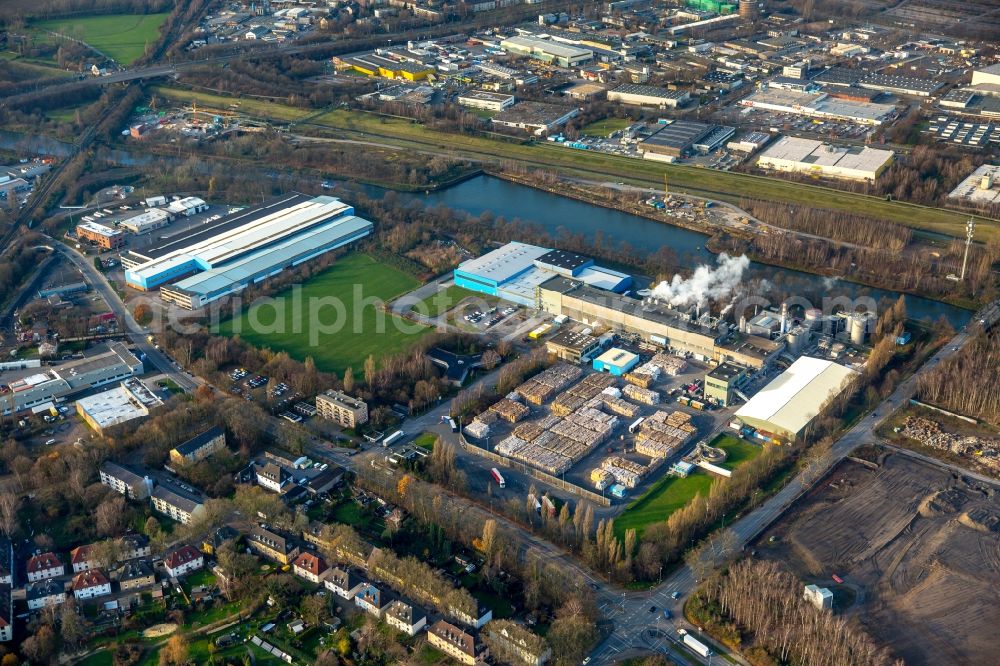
x: 706, y: 284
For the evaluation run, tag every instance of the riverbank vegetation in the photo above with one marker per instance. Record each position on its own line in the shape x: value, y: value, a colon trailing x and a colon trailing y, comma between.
x: 957, y: 383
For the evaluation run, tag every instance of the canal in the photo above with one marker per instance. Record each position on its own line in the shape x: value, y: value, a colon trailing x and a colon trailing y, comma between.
x: 555, y: 214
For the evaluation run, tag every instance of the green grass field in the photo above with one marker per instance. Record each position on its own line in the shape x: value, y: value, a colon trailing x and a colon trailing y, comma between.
x: 603, y: 128
x: 737, y: 450
x: 99, y: 658
x: 666, y: 496
x: 406, y: 134
x: 443, y: 300
x: 338, y: 319
x: 425, y: 440
x: 123, y: 37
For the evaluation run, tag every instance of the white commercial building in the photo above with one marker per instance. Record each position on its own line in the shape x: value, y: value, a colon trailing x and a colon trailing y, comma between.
x: 989, y: 75
x: 187, y: 206
x: 150, y: 220
x: 818, y: 105
x: 639, y: 95
x: 797, y: 155
x: 131, y: 400
x: 794, y: 398
x: 981, y: 187
x: 547, y: 50
x: 484, y: 99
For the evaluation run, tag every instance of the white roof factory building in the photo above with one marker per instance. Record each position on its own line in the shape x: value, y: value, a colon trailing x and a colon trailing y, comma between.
x: 244, y: 248
x: 547, y: 50
x: 794, y: 398
x: 797, y: 155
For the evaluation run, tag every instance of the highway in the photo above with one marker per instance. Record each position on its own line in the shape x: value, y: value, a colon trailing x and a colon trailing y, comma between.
x: 136, y: 333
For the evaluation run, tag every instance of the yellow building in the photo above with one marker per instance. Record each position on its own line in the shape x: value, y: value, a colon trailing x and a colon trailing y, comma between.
x: 376, y: 65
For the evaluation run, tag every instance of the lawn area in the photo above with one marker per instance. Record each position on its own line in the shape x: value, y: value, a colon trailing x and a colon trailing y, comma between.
x: 603, y: 128
x: 666, y: 496
x: 123, y: 37
x: 737, y: 450
x: 338, y: 318
x: 66, y: 114
x: 444, y: 300
x: 426, y: 440
x: 350, y: 513
x: 252, y: 107
x: 99, y: 658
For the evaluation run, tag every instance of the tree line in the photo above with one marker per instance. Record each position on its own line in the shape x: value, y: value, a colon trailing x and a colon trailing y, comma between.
x: 962, y: 382
x: 757, y: 607
x: 839, y: 225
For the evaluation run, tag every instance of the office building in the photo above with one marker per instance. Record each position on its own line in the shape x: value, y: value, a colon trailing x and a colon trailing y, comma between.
x: 486, y: 100
x: 149, y: 220
x: 129, y: 401
x: 572, y: 346
x: 106, y: 238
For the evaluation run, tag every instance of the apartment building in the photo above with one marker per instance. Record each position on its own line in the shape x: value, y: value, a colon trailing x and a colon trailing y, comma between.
x: 341, y: 408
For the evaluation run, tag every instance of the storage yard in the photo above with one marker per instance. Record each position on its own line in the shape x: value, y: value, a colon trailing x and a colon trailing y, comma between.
x: 592, y: 429
x: 918, y: 550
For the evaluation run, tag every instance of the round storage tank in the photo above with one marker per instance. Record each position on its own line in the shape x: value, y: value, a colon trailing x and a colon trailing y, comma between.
x: 813, y: 318
x: 798, y: 337
x: 859, y: 326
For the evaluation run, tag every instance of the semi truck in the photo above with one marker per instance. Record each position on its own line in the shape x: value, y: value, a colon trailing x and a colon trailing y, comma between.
x: 495, y: 473
x: 393, y: 438
x: 694, y: 644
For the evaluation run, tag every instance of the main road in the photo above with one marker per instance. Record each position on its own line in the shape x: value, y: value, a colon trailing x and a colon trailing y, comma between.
x: 136, y: 333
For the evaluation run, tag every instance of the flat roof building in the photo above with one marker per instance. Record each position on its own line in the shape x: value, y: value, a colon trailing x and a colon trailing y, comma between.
x: 244, y: 248
x: 200, y: 446
x: 818, y: 105
x: 640, y: 95
x: 982, y: 186
x: 131, y: 400
x: 547, y: 50
x: 720, y: 383
x: 682, y: 137
x: 573, y: 346
x: 149, y: 220
x: 788, y: 405
x: 900, y: 85
x: 535, y: 117
x: 341, y: 408
x: 798, y: 155
x: 106, y: 238
x: 486, y: 100
x: 616, y: 361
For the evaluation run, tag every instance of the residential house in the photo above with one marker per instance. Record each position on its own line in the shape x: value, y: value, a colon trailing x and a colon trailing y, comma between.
x: 123, y: 480
x: 456, y: 643
x: 90, y: 584
x: 135, y: 574
x: 182, y: 561
x: 483, y: 615
x: 405, y: 617
x: 310, y: 566
x: 529, y: 648
x: 372, y: 600
x: 343, y: 583
x: 179, y: 507
x: 272, y: 477
x: 134, y: 546
x: 43, y: 566
x: 199, y: 447
x: 325, y: 480
x: 211, y: 544
x: 44, y: 593
x: 6, y: 614
x: 272, y: 545
x: 80, y: 559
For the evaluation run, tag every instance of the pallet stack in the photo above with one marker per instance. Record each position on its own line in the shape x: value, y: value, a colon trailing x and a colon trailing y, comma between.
x: 477, y: 429
x: 510, y: 411
x: 639, y: 394
x: 542, y: 386
x: 576, y: 396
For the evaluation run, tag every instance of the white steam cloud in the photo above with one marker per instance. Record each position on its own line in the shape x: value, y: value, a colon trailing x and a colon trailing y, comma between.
x: 706, y: 284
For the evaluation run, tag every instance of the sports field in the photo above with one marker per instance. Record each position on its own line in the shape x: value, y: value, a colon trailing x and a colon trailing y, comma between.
x: 666, y: 496
x: 337, y: 317
x: 120, y: 36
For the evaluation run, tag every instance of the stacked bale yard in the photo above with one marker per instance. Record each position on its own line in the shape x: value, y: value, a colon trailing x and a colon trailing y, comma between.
x: 662, y: 434
x: 577, y: 395
x: 639, y: 394
x: 545, y: 384
x: 626, y: 472
x: 510, y: 411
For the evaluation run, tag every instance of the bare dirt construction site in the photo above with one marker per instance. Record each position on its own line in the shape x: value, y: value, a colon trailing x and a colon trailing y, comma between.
x: 918, y: 549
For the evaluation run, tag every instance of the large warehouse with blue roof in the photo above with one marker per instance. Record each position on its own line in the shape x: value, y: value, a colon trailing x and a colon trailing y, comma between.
x: 513, y: 272
x: 244, y: 248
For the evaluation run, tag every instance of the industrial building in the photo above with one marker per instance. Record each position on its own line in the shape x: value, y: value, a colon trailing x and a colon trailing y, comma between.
x: 616, y: 361
x: 186, y: 207
x: 989, y: 75
x: 106, y: 238
x: 899, y: 85
x: 797, y: 155
x: 683, y: 137
x: 981, y: 187
x: 376, y: 65
x: 486, y: 100
x: 547, y: 50
x: 244, y: 248
x: 149, y: 220
x: 639, y: 95
x: 64, y: 380
x: 514, y: 271
x: 535, y: 117
x: 572, y: 346
x: 818, y: 105
x: 721, y: 383
x: 704, y: 338
x: 131, y: 400
x: 788, y: 405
